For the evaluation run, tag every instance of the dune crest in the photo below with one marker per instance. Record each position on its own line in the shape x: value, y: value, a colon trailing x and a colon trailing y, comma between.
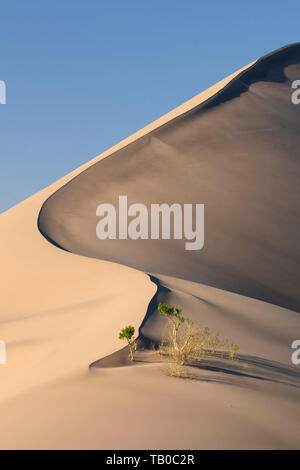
x: 236, y: 152
x: 232, y: 148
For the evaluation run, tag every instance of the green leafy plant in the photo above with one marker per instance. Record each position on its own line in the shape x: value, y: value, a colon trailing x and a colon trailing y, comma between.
x: 127, y: 333
x: 188, y: 343
x: 175, y: 320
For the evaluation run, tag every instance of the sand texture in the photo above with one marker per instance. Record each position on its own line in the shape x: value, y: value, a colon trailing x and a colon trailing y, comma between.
x: 67, y: 383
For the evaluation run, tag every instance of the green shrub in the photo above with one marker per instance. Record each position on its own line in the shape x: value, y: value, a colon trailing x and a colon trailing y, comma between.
x: 128, y: 334
x: 188, y: 343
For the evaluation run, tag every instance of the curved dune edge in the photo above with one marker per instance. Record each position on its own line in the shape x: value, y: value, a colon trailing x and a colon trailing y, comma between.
x: 229, y: 151
x: 48, y: 291
x: 262, y: 330
x: 61, y: 312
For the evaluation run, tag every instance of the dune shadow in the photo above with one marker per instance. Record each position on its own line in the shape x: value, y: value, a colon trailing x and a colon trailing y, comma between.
x: 215, y: 368
x: 219, y: 368
x: 244, y: 367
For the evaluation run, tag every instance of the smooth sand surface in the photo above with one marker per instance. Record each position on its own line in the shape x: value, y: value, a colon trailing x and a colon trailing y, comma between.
x: 61, y: 310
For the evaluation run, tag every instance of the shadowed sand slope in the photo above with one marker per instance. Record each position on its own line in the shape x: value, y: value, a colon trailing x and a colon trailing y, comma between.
x: 238, y: 153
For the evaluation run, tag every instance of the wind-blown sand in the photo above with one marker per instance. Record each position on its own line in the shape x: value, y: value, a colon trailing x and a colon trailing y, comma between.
x: 234, y: 148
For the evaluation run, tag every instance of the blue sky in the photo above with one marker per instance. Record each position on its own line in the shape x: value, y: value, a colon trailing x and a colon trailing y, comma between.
x: 83, y: 74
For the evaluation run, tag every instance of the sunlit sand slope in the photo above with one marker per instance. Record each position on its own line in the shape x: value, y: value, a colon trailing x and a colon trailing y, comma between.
x: 250, y: 403
x: 59, y: 311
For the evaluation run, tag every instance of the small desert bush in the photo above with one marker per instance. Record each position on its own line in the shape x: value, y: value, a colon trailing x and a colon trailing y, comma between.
x: 188, y: 343
x: 176, y: 370
x: 127, y: 333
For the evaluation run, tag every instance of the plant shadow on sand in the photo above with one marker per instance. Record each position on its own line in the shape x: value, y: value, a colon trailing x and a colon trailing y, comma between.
x: 216, y: 368
x: 222, y: 370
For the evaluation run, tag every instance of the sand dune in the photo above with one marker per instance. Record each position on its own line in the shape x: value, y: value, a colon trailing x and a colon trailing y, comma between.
x: 233, y: 148
x: 55, y: 304
x: 238, y: 154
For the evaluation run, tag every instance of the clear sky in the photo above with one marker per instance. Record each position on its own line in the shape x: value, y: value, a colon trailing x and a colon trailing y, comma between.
x: 83, y: 74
